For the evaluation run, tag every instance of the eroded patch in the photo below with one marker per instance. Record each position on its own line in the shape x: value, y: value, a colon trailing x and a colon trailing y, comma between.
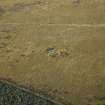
x: 20, y: 6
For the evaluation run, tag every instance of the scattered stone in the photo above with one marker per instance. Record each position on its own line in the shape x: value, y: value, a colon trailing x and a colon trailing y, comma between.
x: 51, y: 51
x: 57, y: 52
x: 63, y: 52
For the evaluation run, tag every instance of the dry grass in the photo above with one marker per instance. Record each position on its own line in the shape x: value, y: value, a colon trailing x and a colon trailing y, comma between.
x: 28, y: 32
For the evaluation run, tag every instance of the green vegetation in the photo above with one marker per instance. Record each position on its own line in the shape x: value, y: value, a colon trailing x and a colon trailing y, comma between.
x: 12, y: 95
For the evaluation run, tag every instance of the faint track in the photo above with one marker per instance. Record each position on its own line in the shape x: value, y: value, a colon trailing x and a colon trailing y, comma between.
x: 81, y: 25
x: 71, y: 25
